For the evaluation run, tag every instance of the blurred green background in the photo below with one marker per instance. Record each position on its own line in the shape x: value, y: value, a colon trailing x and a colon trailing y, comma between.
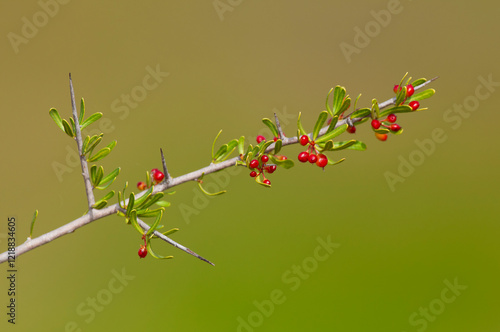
x: 396, y: 251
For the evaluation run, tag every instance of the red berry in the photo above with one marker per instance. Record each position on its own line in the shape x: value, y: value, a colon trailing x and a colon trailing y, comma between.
x: 322, y: 160
x: 375, y: 124
x: 313, y: 158
x: 351, y: 130
x: 392, y: 118
x: 409, y: 90
x: 253, y: 174
x: 414, y: 105
x: 281, y: 157
x: 264, y: 158
x: 303, y: 156
x: 395, y: 127
x: 304, y: 139
x: 254, y: 163
x: 141, y: 185
x: 260, y: 138
x: 275, y: 139
x: 153, y: 171
x: 381, y: 137
x: 143, y: 251
x: 396, y: 88
x: 158, y: 176
x: 266, y: 181
x: 270, y: 169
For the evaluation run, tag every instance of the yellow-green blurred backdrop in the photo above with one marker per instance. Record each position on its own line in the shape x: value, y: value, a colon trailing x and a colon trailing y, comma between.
x: 422, y: 256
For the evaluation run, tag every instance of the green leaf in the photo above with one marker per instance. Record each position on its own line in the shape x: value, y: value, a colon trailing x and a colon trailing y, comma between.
x: 99, y: 155
x: 35, y: 215
x: 146, y: 195
x: 109, y: 179
x: 93, y: 141
x: 343, y: 145
x: 375, y: 109
x: 422, y: 95
x: 259, y: 181
x: 319, y: 124
x: 93, y: 173
x: 356, y: 145
x: 213, y: 144
x: 98, y: 177
x: 418, y: 82
x: 145, y: 213
x: 163, y: 203
x: 109, y: 195
x: 333, y: 123
x: 299, y: 125
x: 220, y: 152
x: 277, y: 146
x: 401, y: 96
x: 82, y: 111
x: 211, y: 194
x: 338, y: 99
x: 381, y: 130
x: 396, y: 109
x: 345, y: 104
x: 100, y: 204
x: 133, y: 219
x: 130, y: 204
x: 111, y: 145
x: 361, y: 113
x: 356, y: 101
x: 263, y: 147
x: 150, y: 200
x: 157, y: 221
x: 230, y: 148
x: 150, y: 250
x: 72, y: 123
x: 271, y: 126
x: 327, y: 98
x: 85, y: 143
x: 91, y: 119
x: 334, y: 133
x: 287, y: 163
x: 241, y: 145
x: 54, y: 114
x: 171, y: 231
x: 67, y: 128
x: 335, y: 162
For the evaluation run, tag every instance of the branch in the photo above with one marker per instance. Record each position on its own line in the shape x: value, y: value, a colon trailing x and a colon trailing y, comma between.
x: 93, y: 215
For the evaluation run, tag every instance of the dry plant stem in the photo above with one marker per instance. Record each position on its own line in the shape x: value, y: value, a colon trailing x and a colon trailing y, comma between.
x: 98, y: 214
x: 79, y: 143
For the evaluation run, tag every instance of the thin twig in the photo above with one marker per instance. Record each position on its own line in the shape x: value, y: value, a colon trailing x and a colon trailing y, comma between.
x: 79, y: 143
x: 98, y: 214
x: 165, y: 170
x: 278, y: 125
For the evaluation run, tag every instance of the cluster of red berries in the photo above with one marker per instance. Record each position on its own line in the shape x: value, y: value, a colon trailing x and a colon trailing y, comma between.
x: 143, y: 251
x: 388, y: 123
x: 157, y: 177
x: 311, y: 154
x: 258, y: 168
x: 410, y: 90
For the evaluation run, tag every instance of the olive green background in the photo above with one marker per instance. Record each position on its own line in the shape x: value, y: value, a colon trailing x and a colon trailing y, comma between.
x: 396, y: 249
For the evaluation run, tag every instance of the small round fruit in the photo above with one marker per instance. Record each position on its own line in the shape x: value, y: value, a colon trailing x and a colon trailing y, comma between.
x: 260, y: 138
x: 143, y: 251
x: 375, y: 124
x: 281, y: 157
x: 303, y: 156
x: 322, y: 160
x: 270, y: 169
x: 414, y: 105
x: 253, y: 174
x: 275, y: 139
x: 141, y: 185
x: 409, y: 90
x: 254, y: 163
x: 392, y: 118
x: 382, y: 137
x: 266, y: 181
x: 395, y: 127
x: 396, y: 88
x: 304, y: 139
x: 264, y: 158
x: 153, y: 171
x: 158, y: 176
x: 351, y: 130
x: 313, y: 158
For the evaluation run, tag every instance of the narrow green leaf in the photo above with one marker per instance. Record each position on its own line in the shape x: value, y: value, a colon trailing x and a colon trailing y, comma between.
x: 230, y: 148
x: 98, y: 176
x: 375, y: 109
x: 211, y: 194
x: 157, y: 221
x: 326, y: 104
x: 345, y: 105
x: 287, y: 163
x: 163, y: 203
x: 85, y: 143
x: 220, y: 152
x: 171, y: 231
x: 91, y: 119
x: 355, y: 145
x: 259, y: 181
x: 130, y: 204
x: 111, y: 145
x: 93, y: 141
x: 396, y: 109
x: 343, y: 145
x: 361, y: 113
x: 72, y: 123
x: 146, y: 213
x: 277, y: 146
x: 109, y: 195
x: 356, y: 101
x: 213, y: 144
x: 67, y: 128
x: 109, y: 179
x: 263, y: 147
x: 319, y: 124
x: 241, y: 145
x: 54, y: 114
x: 422, y: 95
x: 82, y: 111
x: 271, y: 126
x: 150, y: 201
x: 299, y: 125
x: 333, y: 123
x: 334, y: 133
x: 401, y: 96
x: 133, y: 219
x: 150, y: 250
x: 99, y: 155
x: 330, y: 162
x: 100, y: 204
x: 418, y: 82
x: 35, y: 215
x: 146, y: 195
x: 381, y: 130
x: 338, y: 99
